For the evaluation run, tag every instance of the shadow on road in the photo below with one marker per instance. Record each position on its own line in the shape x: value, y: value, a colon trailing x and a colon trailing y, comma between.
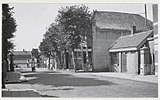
x: 61, y: 79
x: 49, y: 96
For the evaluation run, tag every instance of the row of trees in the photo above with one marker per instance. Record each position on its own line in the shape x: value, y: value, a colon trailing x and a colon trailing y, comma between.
x: 72, y: 25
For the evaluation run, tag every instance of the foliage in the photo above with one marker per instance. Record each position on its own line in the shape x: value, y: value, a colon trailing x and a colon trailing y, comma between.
x: 51, y: 42
x: 76, y: 23
x: 35, y: 53
x: 73, y: 25
x: 45, y: 48
x: 8, y: 28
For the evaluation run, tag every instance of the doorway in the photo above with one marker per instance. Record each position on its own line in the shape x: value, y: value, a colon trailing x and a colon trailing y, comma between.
x: 124, y: 63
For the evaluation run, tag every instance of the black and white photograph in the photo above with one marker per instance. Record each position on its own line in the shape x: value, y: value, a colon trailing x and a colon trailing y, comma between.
x: 79, y: 50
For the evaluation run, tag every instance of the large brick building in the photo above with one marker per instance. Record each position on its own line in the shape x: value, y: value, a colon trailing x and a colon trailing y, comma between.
x: 107, y: 28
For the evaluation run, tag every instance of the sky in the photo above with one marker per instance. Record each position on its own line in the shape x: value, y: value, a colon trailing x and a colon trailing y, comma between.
x: 34, y: 18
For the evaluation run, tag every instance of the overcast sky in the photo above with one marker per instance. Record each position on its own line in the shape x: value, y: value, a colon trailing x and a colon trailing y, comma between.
x: 33, y: 19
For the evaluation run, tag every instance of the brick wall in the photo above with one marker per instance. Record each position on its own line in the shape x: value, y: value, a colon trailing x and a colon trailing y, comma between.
x: 102, y: 40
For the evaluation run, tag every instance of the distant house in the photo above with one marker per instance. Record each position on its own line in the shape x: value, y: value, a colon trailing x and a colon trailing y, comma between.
x: 107, y: 28
x: 22, y: 58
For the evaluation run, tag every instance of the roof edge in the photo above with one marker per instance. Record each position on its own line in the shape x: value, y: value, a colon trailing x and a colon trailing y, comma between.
x: 139, y: 45
x: 123, y: 49
x: 142, y: 43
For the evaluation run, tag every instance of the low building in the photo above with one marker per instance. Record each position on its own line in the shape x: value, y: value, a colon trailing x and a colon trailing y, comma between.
x: 22, y: 58
x: 131, y: 54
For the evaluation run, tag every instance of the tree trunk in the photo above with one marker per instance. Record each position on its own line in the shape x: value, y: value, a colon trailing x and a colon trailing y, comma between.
x: 87, y: 61
x: 48, y: 62
x: 82, y: 57
x: 76, y: 63
x: 55, y: 61
x: 73, y: 60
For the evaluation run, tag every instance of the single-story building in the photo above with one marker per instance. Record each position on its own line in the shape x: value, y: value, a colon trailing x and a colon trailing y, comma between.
x: 132, y: 54
x: 22, y: 58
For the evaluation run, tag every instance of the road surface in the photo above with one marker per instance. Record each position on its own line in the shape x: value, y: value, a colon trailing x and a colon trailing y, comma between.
x: 70, y: 84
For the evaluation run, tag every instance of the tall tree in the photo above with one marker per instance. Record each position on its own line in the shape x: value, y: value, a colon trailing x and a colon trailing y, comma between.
x: 36, y: 54
x: 51, y: 44
x: 76, y: 24
x: 8, y: 28
x: 45, y: 49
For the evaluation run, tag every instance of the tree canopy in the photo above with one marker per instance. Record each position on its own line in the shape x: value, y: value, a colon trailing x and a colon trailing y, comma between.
x: 8, y: 28
x: 76, y: 23
x: 51, y: 42
x: 73, y: 26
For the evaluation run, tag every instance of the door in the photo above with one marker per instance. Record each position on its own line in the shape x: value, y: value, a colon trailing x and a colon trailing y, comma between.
x: 124, y: 62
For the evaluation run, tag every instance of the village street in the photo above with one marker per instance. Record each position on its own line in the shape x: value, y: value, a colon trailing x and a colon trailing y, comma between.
x: 70, y: 84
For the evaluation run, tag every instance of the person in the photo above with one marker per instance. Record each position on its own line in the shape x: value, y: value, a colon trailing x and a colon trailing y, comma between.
x: 33, y: 65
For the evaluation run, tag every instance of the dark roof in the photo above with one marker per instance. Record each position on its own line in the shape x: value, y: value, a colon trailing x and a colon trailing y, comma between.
x: 121, y: 21
x: 131, y: 41
x: 22, y: 55
x: 21, y: 62
x: 22, y: 52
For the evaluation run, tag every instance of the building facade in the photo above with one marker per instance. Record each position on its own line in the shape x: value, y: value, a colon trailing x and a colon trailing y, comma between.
x: 155, y: 29
x: 22, y: 58
x: 131, y: 54
x: 107, y: 28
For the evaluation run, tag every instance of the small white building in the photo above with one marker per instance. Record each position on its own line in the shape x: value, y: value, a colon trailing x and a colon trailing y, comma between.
x: 22, y: 58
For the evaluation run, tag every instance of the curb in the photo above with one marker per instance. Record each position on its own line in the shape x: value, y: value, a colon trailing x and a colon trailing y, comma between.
x: 137, y: 80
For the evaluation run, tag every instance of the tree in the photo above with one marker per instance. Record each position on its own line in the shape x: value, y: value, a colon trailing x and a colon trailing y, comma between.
x: 45, y: 49
x: 76, y: 23
x: 51, y: 44
x: 8, y: 28
x: 36, y: 54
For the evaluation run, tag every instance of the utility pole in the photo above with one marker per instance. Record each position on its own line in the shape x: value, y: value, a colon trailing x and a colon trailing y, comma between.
x: 145, y: 14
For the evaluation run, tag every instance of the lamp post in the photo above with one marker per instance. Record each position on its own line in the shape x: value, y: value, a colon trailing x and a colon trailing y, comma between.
x: 11, y: 62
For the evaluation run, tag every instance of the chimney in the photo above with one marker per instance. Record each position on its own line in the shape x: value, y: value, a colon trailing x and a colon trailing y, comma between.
x: 133, y: 30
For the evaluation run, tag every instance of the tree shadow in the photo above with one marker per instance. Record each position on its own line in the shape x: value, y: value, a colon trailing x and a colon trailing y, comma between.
x: 60, y: 79
x: 50, y: 96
